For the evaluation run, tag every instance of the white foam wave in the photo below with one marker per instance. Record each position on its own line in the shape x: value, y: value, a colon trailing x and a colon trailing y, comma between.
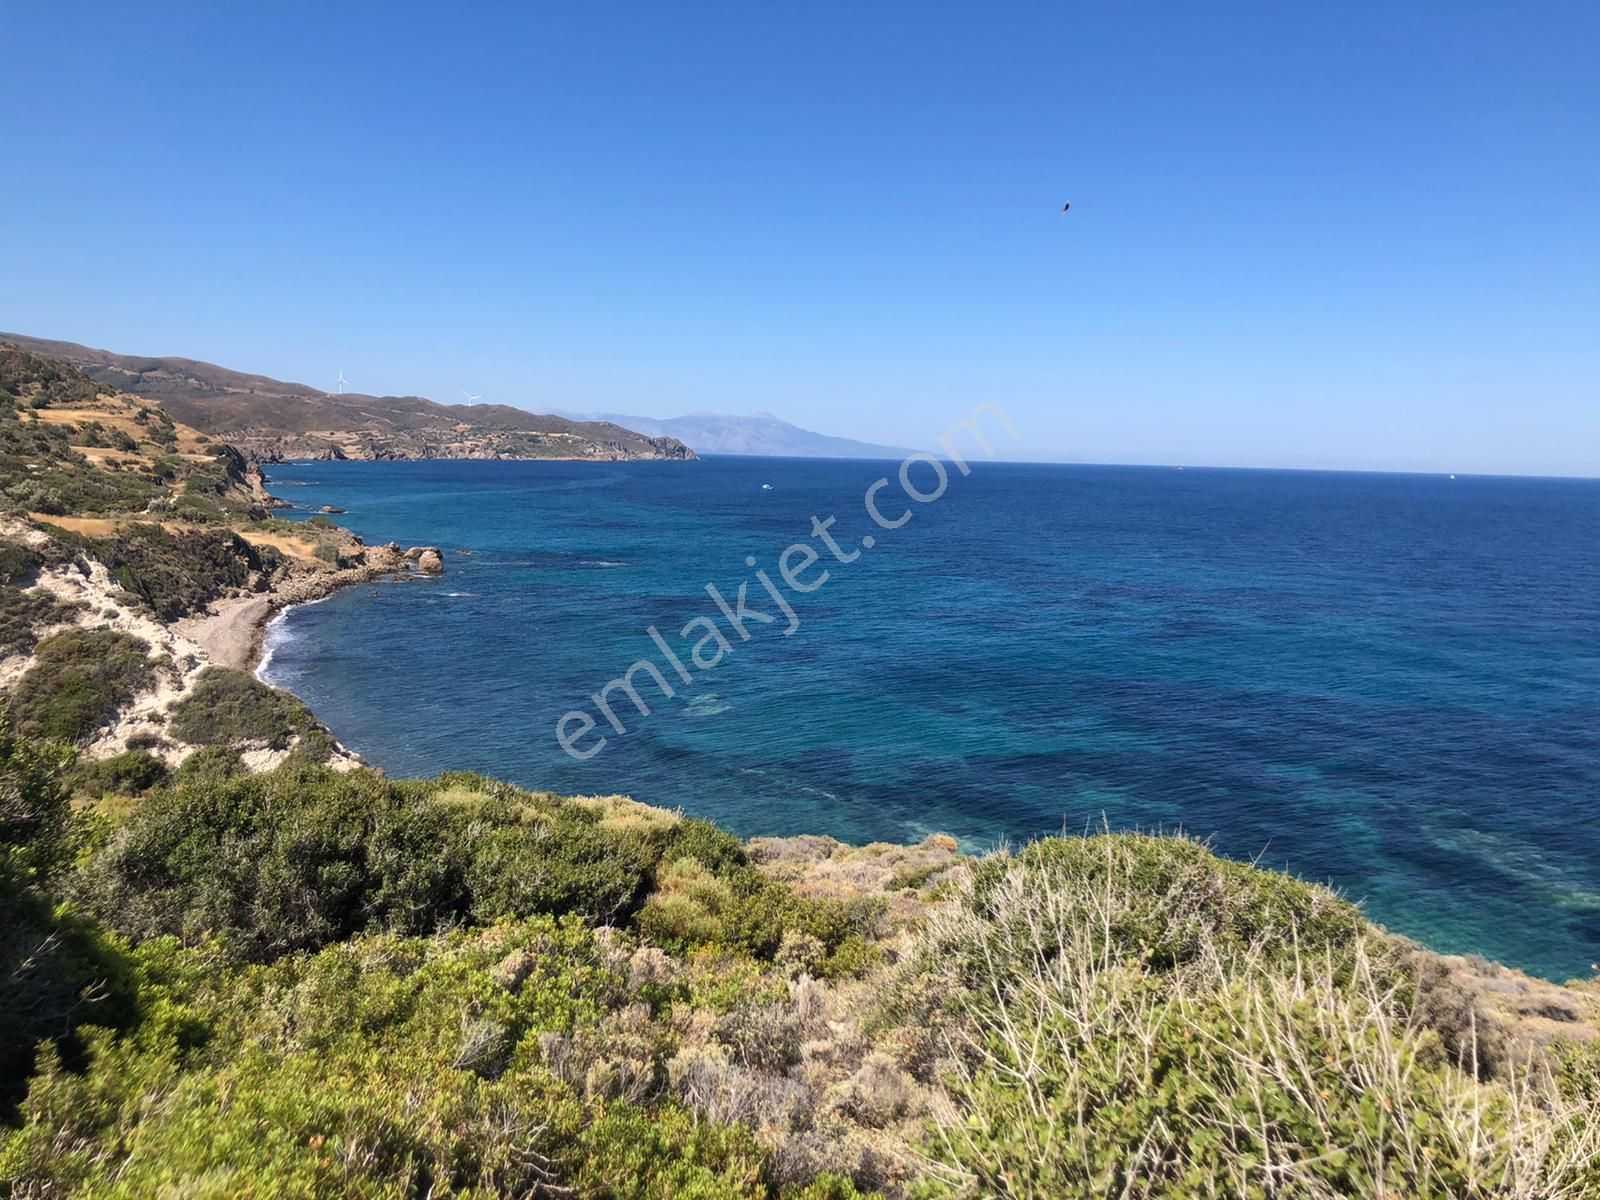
x: 277, y: 633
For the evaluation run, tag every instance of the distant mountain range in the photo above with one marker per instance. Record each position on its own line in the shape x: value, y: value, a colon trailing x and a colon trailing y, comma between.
x: 273, y: 421
x: 762, y: 433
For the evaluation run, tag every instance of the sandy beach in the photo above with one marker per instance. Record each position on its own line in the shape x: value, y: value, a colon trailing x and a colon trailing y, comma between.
x: 231, y: 635
x: 233, y: 631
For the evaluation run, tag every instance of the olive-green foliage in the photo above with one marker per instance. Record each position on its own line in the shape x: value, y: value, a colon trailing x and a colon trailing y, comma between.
x: 702, y: 841
x: 301, y: 857
x: 740, y: 910
x: 209, y: 764
x: 33, y: 807
x: 28, y: 445
x: 17, y: 561
x: 129, y: 774
x: 177, y: 573
x: 96, y: 433
x: 232, y: 708
x: 31, y: 377
x: 1180, y: 899
x: 1139, y: 1018
x: 72, y: 488
x: 22, y: 614
x: 41, y: 472
x: 385, y: 1067
x: 56, y: 970
x: 78, y: 680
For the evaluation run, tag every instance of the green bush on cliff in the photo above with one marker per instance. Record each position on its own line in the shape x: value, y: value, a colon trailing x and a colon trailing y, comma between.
x: 352, y: 986
x: 303, y: 857
x: 384, y: 1067
x: 57, y: 971
x: 22, y: 614
x: 43, y: 381
x: 128, y: 774
x: 1139, y: 1018
x: 232, y: 708
x: 78, y: 681
x: 741, y: 911
x: 17, y: 560
x: 209, y: 764
x: 177, y: 573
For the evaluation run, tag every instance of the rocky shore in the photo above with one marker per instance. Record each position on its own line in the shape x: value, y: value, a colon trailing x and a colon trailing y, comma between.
x: 233, y: 632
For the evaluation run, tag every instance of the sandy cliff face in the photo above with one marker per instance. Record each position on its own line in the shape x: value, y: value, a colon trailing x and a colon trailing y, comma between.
x: 226, y: 635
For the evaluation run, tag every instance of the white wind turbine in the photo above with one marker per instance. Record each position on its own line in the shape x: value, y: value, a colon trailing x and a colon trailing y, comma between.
x: 342, y: 381
x: 471, y: 399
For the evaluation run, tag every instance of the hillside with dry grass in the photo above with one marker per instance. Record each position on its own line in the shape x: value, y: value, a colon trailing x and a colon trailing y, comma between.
x: 124, y: 537
x: 273, y: 421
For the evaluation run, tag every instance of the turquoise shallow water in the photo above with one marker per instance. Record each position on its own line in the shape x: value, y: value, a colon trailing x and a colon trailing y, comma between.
x: 1390, y: 683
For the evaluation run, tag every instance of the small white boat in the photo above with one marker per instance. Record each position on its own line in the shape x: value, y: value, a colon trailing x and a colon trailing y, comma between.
x: 766, y: 487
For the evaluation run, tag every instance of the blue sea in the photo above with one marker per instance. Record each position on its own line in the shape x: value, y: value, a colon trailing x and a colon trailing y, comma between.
x: 1387, y: 683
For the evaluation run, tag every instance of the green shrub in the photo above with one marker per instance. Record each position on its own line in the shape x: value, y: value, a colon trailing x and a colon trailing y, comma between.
x: 702, y: 841
x: 1138, y: 1018
x: 43, y: 381
x: 177, y: 573
x: 77, y: 489
x: 17, y: 561
x: 234, y: 708
x: 129, y: 774
x: 78, y: 681
x: 350, y: 1073
x: 742, y: 911
x: 33, y: 807
x: 22, y: 613
x: 553, y: 862
x: 1181, y: 898
x: 301, y: 857
x: 209, y: 764
x: 56, y: 970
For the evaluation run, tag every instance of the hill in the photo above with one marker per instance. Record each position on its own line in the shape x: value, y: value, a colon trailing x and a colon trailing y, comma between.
x: 272, y: 421
x: 123, y: 534
x: 759, y: 433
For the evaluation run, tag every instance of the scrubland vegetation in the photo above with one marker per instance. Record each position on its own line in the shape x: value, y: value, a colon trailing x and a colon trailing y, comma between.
x: 320, y: 984
x: 174, y: 572
x: 230, y: 708
x: 77, y: 681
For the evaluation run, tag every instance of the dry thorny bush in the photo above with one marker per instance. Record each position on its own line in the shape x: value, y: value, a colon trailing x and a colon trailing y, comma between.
x: 1082, y: 1059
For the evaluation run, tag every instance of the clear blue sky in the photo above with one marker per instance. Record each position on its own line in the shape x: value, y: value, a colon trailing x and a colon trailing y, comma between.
x: 1354, y: 235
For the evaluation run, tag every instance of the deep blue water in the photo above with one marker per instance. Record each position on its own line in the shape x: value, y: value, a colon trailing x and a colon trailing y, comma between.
x: 1389, y: 683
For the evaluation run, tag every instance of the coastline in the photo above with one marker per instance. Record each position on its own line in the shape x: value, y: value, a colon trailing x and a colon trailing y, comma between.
x: 233, y: 634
